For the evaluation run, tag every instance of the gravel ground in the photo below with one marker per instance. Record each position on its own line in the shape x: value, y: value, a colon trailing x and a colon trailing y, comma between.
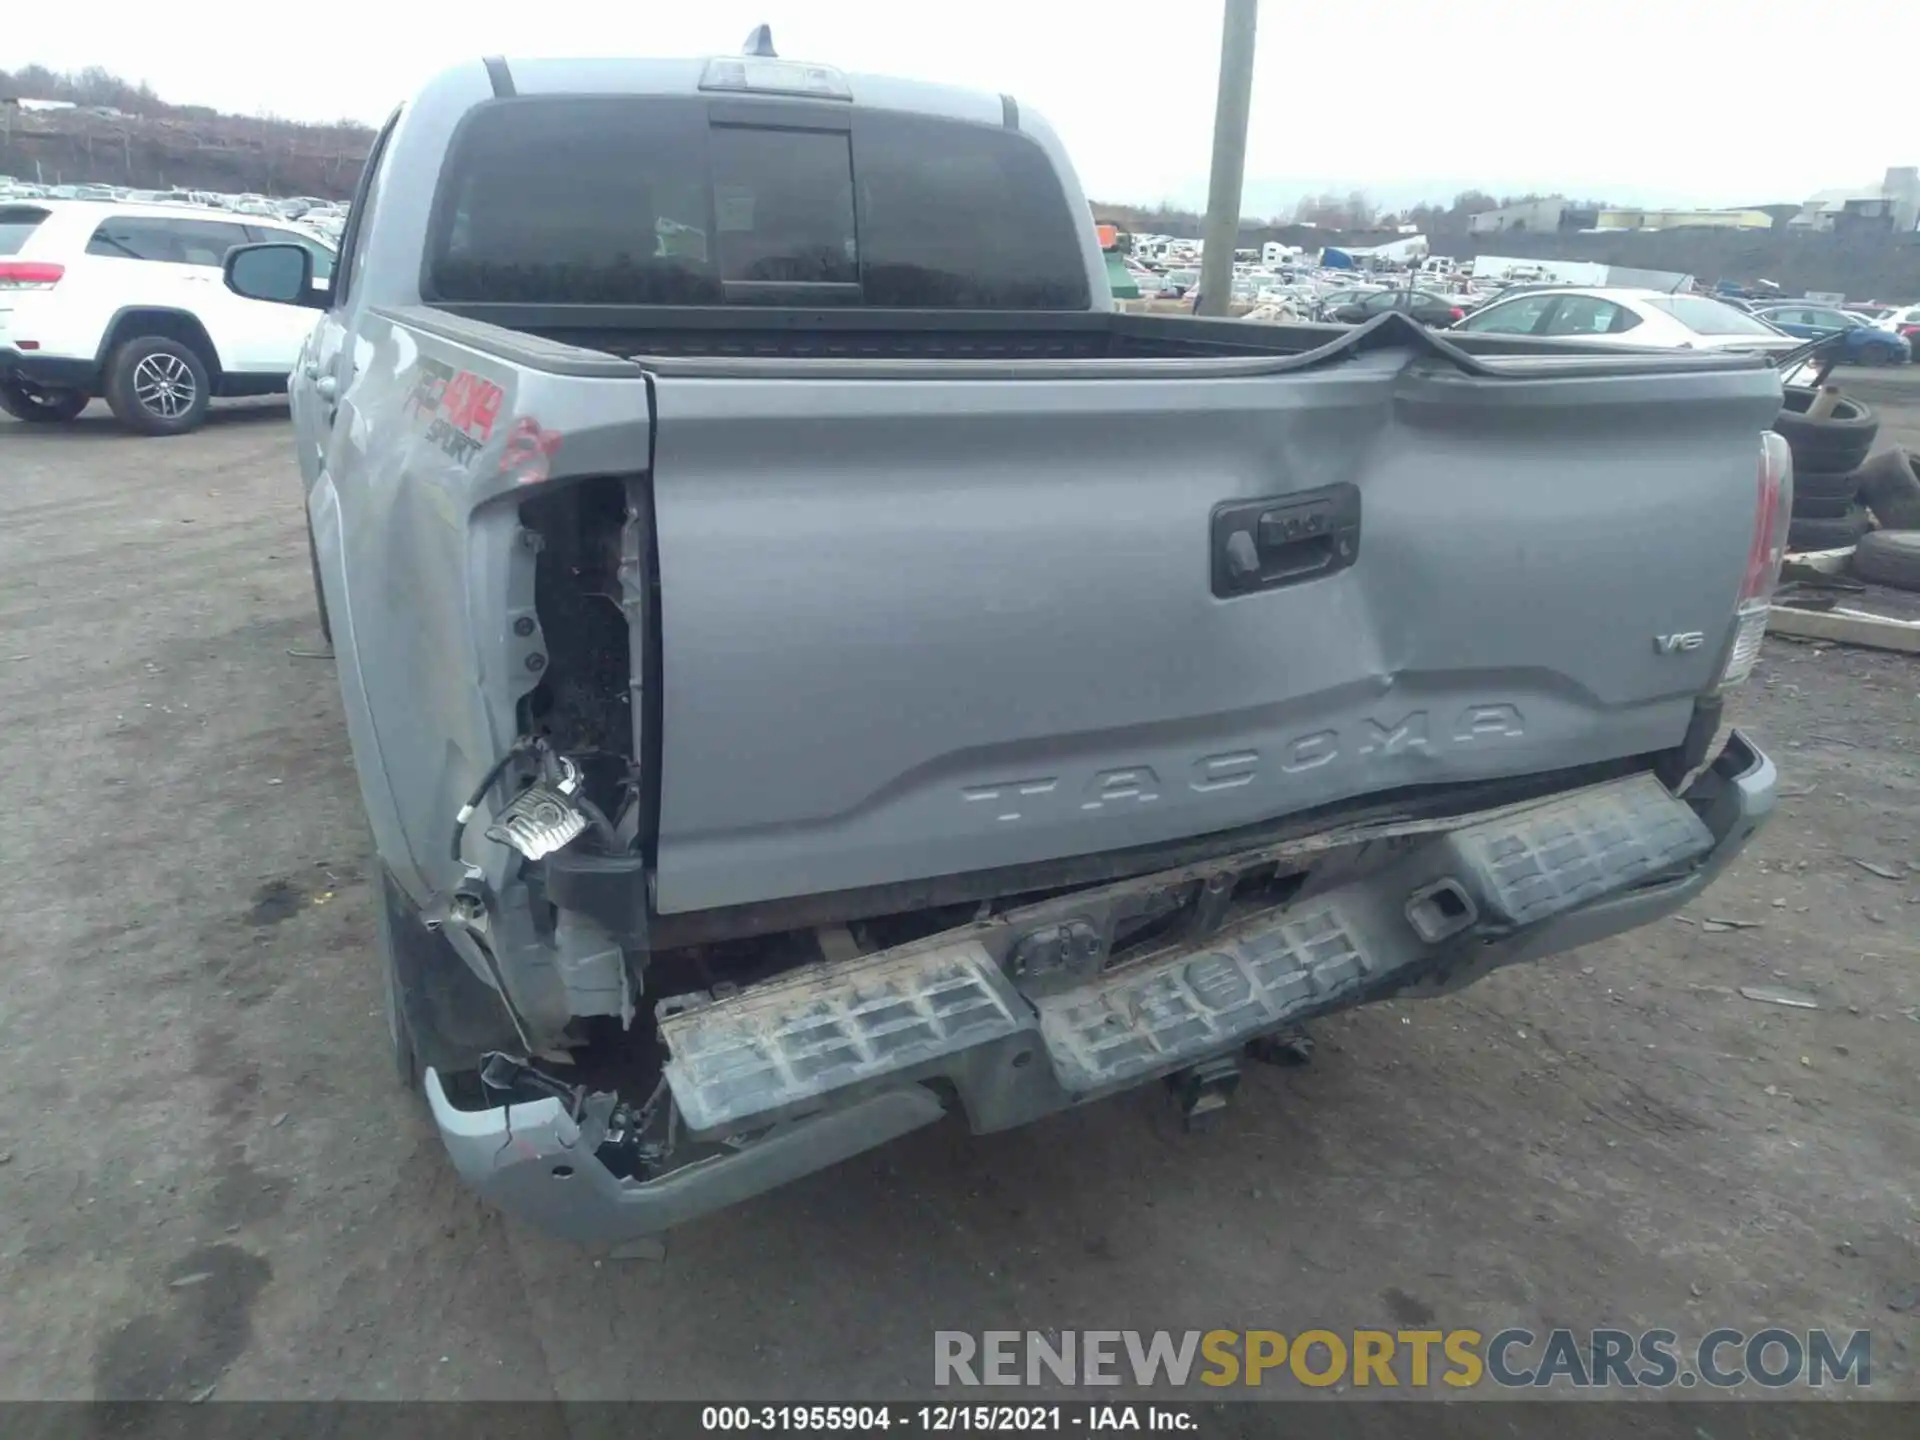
x: 210, y: 1180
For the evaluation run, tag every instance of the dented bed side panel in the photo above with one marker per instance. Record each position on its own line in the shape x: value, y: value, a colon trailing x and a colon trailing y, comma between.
x: 912, y: 625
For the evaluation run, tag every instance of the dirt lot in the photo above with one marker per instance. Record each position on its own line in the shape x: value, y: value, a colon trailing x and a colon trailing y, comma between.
x: 209, y: 1179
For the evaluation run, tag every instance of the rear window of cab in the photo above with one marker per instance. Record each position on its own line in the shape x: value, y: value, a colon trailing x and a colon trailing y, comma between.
x: 683, y: 201
x: 17, y: 222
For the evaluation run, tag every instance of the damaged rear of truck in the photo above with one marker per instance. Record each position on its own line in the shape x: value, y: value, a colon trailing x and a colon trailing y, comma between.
x: 813, y: 668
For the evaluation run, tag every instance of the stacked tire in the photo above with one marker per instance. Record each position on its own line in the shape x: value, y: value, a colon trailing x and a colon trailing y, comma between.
x: 1890, y: 490
x: 1828, y: 459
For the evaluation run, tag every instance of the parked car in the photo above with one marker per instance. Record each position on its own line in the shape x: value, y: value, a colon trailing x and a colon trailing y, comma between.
x: 821, y: 713
x: 1423, y: 305
x: 1902, y: 320
x: 1612, y: 316
x: 1334, y: 299
x: 125, y: 301
x: 1865, y: 343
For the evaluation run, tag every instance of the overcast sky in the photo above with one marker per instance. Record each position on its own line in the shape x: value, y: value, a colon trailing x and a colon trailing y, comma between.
x: 1685, y: 101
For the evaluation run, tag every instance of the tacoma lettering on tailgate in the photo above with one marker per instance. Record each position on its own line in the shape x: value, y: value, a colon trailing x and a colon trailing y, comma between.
x: 1117, y: 787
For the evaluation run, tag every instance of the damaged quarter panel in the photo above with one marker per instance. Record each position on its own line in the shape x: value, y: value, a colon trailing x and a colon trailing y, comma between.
x: 434, y: 543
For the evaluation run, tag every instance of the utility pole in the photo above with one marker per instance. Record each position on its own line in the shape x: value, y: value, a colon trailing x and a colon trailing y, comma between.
x: 1229, y: 155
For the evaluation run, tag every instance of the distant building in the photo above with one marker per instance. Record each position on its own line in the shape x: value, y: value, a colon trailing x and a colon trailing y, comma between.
x: 1547, y: 216
x: 1683, y: 219
x: 1891, y: 206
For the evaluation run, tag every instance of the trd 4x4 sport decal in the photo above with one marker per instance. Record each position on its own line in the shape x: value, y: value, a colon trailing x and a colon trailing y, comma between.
x: 463, y: 407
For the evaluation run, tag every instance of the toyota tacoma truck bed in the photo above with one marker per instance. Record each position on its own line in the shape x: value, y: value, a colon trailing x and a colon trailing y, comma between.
x: 813, y: 667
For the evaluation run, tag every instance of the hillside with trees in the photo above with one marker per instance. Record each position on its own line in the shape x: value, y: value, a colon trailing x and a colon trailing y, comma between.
x: 120, y: 133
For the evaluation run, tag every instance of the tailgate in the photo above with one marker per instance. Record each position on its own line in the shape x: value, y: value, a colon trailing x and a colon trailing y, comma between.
x: 915, y: 627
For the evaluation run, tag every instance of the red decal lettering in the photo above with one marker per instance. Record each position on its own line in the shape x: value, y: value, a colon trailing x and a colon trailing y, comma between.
x: 473, y: 404
x: 458, y: 399
x: 486, y: 407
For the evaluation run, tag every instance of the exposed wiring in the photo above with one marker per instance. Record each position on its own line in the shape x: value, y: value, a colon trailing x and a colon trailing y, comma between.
x: 494, y: 772
x: 551, y: 769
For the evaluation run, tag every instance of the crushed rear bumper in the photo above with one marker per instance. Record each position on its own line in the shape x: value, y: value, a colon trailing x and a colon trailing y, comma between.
x: 1023, y: 1016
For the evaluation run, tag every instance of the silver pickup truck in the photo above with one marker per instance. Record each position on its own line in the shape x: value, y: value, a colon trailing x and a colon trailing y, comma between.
x: 812, y: 666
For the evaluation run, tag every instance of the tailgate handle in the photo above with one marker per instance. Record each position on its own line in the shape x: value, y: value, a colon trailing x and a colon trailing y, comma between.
x: 1284, y: 539
x: 1292, y: 547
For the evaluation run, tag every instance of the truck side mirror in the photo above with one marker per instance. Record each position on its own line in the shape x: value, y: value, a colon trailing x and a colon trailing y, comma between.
x: 276, y: 271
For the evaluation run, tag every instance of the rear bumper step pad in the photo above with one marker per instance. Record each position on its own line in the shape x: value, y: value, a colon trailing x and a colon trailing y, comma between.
x: 831, y: 1026
x: 794, y: 1041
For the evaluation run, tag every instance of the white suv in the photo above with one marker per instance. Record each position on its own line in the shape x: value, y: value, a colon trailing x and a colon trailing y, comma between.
x: 127, y: 302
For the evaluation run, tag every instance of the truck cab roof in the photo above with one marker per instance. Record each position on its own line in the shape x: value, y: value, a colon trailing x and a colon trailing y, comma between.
x: 698, y: 75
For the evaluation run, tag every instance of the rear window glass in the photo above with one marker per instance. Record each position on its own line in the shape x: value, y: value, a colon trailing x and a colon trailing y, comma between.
x: 591, y: 200
x: 17, y: 222
x: 1710, y: 317
x: 957, y: 216
x: 783, y: 206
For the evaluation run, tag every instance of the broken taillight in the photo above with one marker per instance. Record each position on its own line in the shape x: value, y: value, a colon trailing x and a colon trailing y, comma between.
x: 1772, y: 509
x: 29, y: 275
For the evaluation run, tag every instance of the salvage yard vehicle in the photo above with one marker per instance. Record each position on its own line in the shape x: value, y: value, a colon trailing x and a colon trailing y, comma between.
x: 1326, y: 304
x: 1423, y: 305
x: 812, y: 666
x: 1902, y: 320
x: 1866, y: 344
x: 1641, y: 318
x: 124, y: 301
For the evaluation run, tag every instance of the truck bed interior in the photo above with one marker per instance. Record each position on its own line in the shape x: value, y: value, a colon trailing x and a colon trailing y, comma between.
x: 901, y: 335
x: 742, y: 333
